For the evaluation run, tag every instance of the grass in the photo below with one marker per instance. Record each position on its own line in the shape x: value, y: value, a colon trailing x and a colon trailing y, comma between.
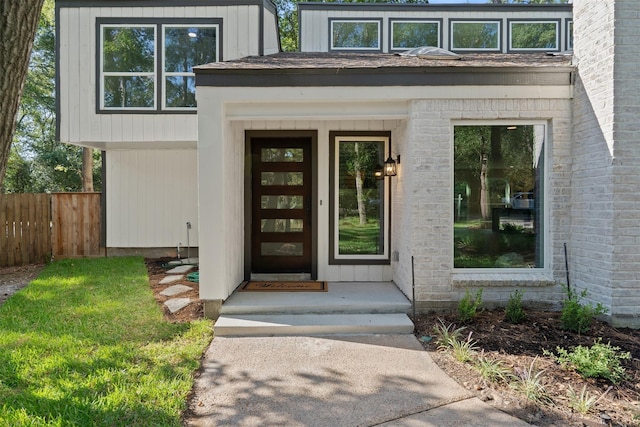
x: 86, y: 344
x: 356, y: 238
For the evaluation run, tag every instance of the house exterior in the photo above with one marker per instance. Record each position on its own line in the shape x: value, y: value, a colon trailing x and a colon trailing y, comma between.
x: 444, y: 172
x: 138, y: 107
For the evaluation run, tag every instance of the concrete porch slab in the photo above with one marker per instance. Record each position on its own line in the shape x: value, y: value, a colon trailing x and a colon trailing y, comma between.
x: 341, y: 297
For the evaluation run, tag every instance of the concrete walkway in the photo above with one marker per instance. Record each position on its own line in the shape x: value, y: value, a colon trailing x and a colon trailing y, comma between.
x: 371, y: 380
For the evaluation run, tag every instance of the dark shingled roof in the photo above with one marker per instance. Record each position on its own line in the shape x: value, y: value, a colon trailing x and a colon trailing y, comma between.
x: 334, y: 60
x: 380, y: 69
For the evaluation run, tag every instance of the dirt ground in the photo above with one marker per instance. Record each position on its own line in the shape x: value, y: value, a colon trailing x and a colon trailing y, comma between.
x: 12, y: 279
x: 157, y: 271
x: 517, y: 346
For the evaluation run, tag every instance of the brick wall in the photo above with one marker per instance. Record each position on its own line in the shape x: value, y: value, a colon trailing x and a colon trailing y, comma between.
x: 605, y: 226
x: 427, y: 179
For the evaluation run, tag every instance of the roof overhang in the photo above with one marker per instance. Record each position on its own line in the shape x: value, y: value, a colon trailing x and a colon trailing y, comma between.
x: 358, y: 70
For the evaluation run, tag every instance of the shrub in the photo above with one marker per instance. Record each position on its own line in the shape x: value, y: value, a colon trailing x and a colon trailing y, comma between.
x: 468, y: 306
x: 446, y: 334
x: 492, y: 370
x: 513, y: 312
x: 598, y: 361
x: 584, y: 401
x: 463, y: 351
x: 577, y: 317
x: 530, y: 383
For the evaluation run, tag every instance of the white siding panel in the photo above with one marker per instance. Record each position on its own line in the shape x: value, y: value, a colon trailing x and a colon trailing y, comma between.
x: 79, y: 122
x: 151, y: 194
x: 270, y: 33
x: 314, y: 24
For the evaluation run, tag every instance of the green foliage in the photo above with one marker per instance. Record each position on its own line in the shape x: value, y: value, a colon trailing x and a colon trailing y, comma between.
x: 530, y: 382
x: 492, y: 370
x: 446, y: 334
x: 37, y: 162
x: 85, y: 344
x: 513, y: 312
x: 581, y: 402
x: 577, y: 317
x: 598, y: 361
x: 463, y: 351
x: 468, y: 306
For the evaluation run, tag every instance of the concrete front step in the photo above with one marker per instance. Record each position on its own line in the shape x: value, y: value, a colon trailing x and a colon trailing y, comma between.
x: 312, y: 324
x: 341, y: 298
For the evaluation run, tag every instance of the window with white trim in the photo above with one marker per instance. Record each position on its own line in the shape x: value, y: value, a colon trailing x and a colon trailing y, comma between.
x: 350, y: 34
x: 498, y: 196
x: 475, y: 35
x: 569, y: 35
x: 407, y: 34
x: 359, y: 198
x: 534, y: 35
x: 148, y: 66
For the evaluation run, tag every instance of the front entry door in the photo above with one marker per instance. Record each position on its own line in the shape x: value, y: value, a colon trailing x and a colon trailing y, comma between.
x: 281, y: 181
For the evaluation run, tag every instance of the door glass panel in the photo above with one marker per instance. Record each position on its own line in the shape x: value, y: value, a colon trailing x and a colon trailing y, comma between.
x: 281, y: 178
x: 281, y: 249
x: 281, y: 202
x: 281, y: 225
x: 281, y: 155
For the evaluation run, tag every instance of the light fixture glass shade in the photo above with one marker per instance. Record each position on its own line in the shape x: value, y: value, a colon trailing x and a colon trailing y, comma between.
x: 390, y: 167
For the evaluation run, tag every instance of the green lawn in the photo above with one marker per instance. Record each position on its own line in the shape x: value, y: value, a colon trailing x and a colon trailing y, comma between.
x: 85, y: 344
x: 356, y: 238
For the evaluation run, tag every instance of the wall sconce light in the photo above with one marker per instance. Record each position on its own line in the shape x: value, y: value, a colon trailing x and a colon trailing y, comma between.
x: 378, y: 173
x: 390, y: 165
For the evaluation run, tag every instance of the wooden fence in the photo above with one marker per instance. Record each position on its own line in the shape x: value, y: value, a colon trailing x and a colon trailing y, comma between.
x: 34, y: 227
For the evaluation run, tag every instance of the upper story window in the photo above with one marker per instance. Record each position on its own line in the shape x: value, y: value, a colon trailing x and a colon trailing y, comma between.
x: 148, y: 65
x: 475, y: 35
x: 360, y: 34
x: 569, y: 35
x: 407, y: 34
x: 534, y: 35
x: 498, y: 196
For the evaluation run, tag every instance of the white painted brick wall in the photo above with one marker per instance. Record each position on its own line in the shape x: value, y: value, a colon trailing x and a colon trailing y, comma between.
x: 425, y: 230
x: 606, y: 174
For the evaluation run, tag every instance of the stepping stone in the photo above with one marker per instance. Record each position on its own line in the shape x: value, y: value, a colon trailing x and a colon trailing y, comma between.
x: 180, y: 269
x: 184, y: 261
x: 177, y: 304
x: 171, y: 279
x: 175, y: 290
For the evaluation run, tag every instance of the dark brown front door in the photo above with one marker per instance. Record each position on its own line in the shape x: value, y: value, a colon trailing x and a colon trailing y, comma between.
x: 281, y: 205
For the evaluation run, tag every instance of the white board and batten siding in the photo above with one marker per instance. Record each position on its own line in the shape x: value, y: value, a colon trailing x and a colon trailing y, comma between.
x: 151, y: 195
x: 314, y: 22
x: 79, y: 122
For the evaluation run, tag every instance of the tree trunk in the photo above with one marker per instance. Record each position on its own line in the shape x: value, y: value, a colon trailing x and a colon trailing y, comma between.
x: 18, y: 26
x: 485, y: 209
x: 87, y: 169
x: 362, y: 213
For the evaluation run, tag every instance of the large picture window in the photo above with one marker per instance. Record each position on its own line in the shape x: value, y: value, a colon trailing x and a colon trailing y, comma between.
x: 412, y: 34
x: 534, y: 35
x: 138, y: 59
x: 355, y: 34
x: 475, y: 35
x: 498, y: 197
x: 360, y: 207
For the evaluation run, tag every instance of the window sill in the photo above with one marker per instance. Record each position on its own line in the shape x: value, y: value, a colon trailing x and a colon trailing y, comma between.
x: 502, y: 279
